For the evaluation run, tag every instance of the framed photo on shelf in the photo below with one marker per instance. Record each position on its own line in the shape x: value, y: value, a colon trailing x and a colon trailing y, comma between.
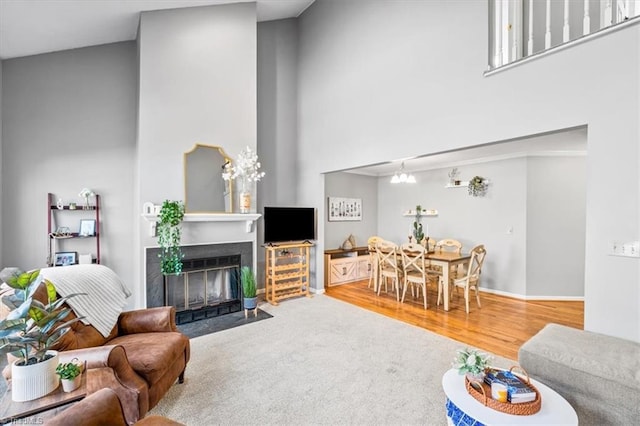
x: 345, y: 209
x: 64, y: 258
x: 87, y: 228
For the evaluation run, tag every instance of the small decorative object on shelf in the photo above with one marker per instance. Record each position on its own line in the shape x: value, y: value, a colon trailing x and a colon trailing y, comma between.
x: 478, y: 186
x: 452, y: 177
x: 471, y: 363
x: 60, y: 204
x: 72, y: 206
x: 247, y: 169
x: 86, y: 193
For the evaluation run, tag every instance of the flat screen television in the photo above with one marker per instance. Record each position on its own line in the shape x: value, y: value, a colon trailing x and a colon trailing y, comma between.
x: 284, y: 224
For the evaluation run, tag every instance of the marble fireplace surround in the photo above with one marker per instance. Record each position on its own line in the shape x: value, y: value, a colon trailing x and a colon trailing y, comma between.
x: 155, y: 279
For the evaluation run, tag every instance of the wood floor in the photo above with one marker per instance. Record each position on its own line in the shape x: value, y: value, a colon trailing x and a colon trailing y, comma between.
x: 501, y: 326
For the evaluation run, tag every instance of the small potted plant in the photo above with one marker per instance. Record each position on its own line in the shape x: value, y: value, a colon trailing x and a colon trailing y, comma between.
x: 30, y: 330
x: 70, y: 374
x: 471, y: 363
x: 418, y: 234
x: 248, y: 288
x: 478, y: 186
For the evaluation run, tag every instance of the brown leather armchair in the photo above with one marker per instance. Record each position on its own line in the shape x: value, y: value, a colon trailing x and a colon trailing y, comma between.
x: 102, y: 408
x: 140, y: 360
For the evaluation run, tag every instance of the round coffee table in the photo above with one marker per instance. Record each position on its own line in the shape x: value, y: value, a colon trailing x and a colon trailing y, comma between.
x: 463, y: 409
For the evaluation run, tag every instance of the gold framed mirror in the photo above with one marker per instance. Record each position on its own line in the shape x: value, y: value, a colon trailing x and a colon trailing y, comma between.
x: 205, y: 191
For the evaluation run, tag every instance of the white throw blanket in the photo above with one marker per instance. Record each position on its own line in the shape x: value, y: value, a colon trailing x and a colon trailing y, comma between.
x: 105, y: 293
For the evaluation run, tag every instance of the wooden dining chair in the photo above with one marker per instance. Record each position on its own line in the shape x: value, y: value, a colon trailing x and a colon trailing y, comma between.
x: 373, y: 256
x: 388, y: 267
x: 449, y: 244
x: 415, y: 271
x: 471, y: 278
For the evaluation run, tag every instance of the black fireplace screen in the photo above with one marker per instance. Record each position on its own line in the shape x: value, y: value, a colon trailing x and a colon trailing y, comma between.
x: 205, y: 288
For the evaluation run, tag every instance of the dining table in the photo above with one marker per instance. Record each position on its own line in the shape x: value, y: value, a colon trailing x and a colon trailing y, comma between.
x: 446, y: 260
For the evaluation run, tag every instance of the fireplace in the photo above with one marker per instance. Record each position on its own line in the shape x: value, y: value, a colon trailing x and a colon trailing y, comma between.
x: 209, y: 285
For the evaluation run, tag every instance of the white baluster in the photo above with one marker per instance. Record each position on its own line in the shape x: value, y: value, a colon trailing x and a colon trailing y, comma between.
x: 497, y: 29
x: 623, y: 10
x: 606, y: 14
x: 515, y: 30
x: 530, y: 41
x: 547, y: 35
x: 586, y: 21
x: 565, y: 28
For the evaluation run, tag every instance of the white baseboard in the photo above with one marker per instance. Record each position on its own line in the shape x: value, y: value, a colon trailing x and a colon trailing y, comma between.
x: 531, y: 298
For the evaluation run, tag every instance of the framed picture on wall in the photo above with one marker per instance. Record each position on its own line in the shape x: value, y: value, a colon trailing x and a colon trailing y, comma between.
x: 344, y: 209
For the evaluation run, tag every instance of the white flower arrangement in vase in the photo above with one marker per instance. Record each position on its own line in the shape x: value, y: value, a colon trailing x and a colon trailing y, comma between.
x: 247, y: 168
x: 86, y: 193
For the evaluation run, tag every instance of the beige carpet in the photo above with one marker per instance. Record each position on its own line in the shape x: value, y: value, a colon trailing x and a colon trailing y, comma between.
x: 318, y: 361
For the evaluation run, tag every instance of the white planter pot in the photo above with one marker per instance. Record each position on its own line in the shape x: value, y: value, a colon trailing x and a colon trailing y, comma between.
x: 71, y: 385
x: 30, y: 382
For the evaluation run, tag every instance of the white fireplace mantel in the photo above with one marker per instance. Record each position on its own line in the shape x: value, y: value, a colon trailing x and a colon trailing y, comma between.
x: 248, y: 218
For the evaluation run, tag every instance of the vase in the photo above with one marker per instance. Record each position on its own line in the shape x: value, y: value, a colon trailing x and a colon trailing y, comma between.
x: 250, y: 302
x: 244, y: 198
x: 86, y: 203
x: 69, y: 385
x: 475, y: 377
x: 29, y: 382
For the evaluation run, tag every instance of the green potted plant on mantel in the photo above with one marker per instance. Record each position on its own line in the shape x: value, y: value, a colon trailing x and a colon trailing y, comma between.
x: 249, y: 291
x: 69, y: 373
x: 169, y: 236
x: 478, y: 186
x: 29, y: 331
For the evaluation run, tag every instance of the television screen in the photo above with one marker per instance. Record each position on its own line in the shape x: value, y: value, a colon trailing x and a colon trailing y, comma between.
x: 282, y: 224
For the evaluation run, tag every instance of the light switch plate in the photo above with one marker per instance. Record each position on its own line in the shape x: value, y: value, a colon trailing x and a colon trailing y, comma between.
x: 628, y: 249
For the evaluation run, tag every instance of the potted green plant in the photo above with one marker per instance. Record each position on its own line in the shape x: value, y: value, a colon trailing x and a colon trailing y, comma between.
x: 250, y: 300
x: 29, y: 331
x: 169, y: 235
x: 477, y: 186
x: 418, y: 234
x: 69, y: 373
x: 472, y: 363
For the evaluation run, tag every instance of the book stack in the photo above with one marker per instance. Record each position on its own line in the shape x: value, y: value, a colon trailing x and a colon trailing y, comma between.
x: 517, y: 390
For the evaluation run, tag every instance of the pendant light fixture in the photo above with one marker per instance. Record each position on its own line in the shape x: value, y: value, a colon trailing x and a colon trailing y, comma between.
x: 402, y: 177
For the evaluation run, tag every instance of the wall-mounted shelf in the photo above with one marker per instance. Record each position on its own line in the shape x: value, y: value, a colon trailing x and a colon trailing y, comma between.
x: 424, y: 213
x: 462, y: 184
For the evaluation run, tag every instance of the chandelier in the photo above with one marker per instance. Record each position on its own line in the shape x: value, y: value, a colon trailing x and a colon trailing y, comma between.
x: 402, y: 177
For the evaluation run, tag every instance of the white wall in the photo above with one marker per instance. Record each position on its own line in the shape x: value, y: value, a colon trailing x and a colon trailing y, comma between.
x: 395, y: 78
x: 68, y: 122
x: 197, y: 84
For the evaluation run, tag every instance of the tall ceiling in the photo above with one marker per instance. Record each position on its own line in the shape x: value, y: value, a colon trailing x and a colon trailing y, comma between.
x: 31, y: 27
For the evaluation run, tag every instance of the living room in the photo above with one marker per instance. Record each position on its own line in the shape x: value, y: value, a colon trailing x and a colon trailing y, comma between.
x: 344, y: 85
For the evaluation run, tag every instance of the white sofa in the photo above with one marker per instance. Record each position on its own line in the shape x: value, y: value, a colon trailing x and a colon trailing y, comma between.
x: 598, y: 375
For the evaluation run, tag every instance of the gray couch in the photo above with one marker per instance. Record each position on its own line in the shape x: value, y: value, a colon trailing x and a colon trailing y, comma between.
x: 598, y: 375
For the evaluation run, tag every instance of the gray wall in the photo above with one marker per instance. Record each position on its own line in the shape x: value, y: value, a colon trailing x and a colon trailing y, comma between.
x: 197, y: 84
x: 349, y: 185
x: 277, y: 121
x: 380, y: 75
x: 531, y: 220
x: 68, y: 123
x: 556, y: 220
